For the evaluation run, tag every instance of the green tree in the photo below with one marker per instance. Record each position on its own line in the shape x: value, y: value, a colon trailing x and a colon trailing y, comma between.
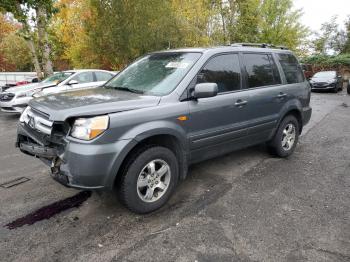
x: 345, y: 48
x: 34, y: 16
x: 16, y: 52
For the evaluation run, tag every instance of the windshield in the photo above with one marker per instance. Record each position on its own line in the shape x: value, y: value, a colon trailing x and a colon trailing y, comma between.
x: 155, y: 74
x: 58, y: 77
x: 324, y: 74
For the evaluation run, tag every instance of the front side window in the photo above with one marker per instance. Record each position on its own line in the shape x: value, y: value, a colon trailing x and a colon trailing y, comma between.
x: 85, y: 77
x: 155, y: 74
x: 224, y: 70
x: 57, y: 77
x: 261, y: 70
x: 291, y: 68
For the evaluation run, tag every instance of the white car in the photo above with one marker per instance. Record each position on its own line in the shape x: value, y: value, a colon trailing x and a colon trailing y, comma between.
x: 16, y: 99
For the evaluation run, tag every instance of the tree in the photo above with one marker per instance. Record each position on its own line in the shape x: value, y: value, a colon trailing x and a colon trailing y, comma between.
x: 6, y: 27
x: 346, y: 46
x: 16, y: 52
x: 280, y: 24
x: 34, y: 16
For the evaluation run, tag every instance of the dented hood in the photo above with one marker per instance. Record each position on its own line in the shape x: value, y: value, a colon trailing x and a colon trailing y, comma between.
x: 91, y: 102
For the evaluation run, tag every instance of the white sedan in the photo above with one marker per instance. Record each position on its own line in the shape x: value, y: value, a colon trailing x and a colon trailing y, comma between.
x: 16, y: 99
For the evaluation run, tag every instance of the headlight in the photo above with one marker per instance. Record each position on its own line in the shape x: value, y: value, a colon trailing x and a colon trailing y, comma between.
x: 24, y: 115
x: 89, y: 128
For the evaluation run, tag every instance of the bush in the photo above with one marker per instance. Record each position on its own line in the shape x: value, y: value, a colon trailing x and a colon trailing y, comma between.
x: 328, y: 61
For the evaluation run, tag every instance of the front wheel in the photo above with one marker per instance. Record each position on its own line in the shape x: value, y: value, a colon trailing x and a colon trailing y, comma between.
x: 286, y: 138
x: 149, y: 179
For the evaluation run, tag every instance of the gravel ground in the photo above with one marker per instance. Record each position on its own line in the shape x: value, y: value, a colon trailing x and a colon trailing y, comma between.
x: 245, y: 206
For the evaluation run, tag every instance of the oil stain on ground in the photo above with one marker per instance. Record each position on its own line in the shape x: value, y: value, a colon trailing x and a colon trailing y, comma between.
x: 49, y: 211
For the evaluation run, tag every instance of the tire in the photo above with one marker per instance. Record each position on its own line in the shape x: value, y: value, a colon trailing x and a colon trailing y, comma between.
x: 335, y: 90
x: 141, y: 183
x: 348, y: 89
x: 277, y: 145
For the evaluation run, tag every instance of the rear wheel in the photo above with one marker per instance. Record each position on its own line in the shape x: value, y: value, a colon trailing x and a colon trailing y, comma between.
x: 149, y: 179
x: 286, y: 138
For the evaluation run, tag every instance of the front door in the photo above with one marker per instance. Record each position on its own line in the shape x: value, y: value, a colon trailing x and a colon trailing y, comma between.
x: 215, y: 122
x: 84, y: 79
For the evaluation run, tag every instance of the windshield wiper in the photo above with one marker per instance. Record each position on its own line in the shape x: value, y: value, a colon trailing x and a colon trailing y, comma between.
x: 128, y: 89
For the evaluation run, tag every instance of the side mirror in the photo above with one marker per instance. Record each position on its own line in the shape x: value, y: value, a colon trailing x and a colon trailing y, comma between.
x: 73, y: 82
x: 205, y: 90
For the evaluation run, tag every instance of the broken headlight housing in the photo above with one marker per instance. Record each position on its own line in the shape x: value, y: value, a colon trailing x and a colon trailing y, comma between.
x: 89, y: 128
x: 24, y: 115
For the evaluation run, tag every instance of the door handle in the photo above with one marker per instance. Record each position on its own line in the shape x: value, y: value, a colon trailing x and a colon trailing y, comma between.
x: 281, y: 95
x: 240, y: 103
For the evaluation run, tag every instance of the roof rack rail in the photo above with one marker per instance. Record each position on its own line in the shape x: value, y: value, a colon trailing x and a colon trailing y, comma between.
x: 261, y: 45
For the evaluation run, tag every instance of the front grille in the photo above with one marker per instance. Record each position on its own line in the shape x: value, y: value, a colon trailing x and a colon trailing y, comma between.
x: 39, y: 121
x: 6, y: 97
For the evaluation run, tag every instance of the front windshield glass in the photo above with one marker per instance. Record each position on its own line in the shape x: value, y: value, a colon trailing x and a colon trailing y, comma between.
x: 58, y: 77
x: 155, y: 74
x: 325, y: 74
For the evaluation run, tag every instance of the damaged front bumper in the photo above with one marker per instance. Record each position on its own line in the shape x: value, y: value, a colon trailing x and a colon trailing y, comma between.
x: 73, y: 163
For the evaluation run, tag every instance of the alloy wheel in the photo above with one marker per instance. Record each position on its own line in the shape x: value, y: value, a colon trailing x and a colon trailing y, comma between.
x: 288, y: 137
x: 153, y: 180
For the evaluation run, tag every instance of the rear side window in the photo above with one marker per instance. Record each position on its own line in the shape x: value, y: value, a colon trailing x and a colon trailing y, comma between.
x: 84, y: 77
x: 224, y: 70
x: 291, y: 68
x: 261, y: 70
x: 103, y: 76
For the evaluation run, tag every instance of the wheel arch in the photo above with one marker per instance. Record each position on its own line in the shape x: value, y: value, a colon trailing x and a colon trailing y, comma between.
x: 161, y: 138
x: 295, y: 110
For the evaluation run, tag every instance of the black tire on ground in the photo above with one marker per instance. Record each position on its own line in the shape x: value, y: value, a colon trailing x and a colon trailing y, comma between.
x: 128, y: 187
x: 335, y: 89
x: 348, y: 89
x: 275, y: 146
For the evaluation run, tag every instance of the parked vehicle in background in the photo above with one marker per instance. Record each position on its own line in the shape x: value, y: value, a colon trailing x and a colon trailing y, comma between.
x: 10, y: 79
x: 140, y: 131
x: 15, y: 99
x: 28, y: 80
x: 327, y: 80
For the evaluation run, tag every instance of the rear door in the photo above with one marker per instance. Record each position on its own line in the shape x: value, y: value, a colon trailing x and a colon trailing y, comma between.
x: 216, y: 121
x: 296, y: 87
x: 265, y: 94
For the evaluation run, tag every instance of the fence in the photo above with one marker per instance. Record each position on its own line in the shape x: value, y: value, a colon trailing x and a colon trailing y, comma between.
x: 11, y: 78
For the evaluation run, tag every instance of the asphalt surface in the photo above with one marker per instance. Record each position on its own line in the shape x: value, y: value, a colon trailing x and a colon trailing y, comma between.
x: 245, y: 206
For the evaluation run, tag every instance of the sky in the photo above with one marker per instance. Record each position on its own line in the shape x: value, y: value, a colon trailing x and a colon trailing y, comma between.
x: 317, y: 12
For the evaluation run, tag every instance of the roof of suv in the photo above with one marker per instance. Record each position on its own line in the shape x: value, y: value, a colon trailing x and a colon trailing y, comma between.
x: 233, y: 47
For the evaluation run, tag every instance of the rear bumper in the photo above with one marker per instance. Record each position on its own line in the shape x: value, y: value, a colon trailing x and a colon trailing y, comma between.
x: 77, y: 165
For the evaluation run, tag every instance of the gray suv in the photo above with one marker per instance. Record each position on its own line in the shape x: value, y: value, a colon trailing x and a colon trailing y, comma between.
x: 139, y: 132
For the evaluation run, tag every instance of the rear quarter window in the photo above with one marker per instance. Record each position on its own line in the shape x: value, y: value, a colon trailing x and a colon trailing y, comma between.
x: 291, y: 68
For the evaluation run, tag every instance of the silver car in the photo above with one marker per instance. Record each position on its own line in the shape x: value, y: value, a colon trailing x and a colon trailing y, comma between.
x: 15, y: 99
